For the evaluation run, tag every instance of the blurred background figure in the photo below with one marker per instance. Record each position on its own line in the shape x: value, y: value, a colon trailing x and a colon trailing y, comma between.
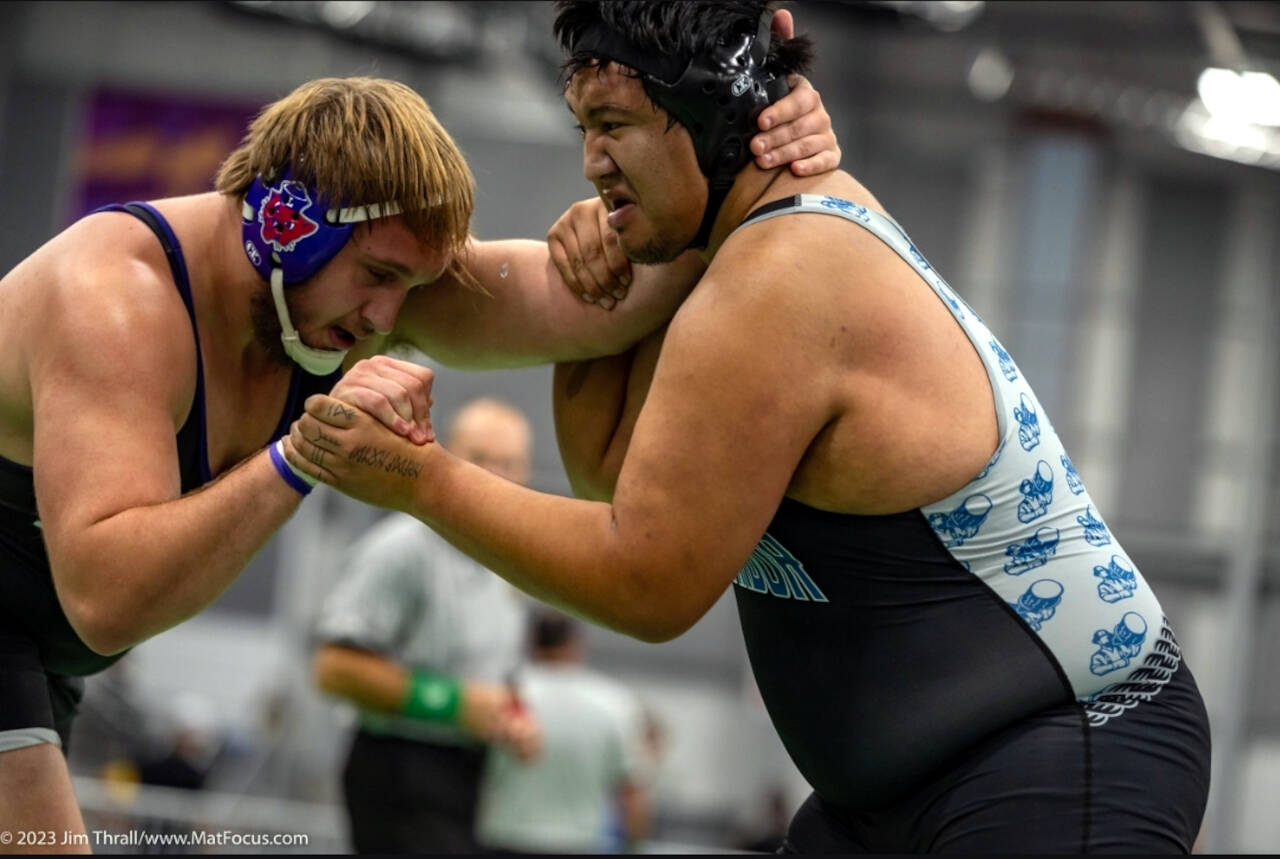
x: 422, y: 640
x: 115, y: 728
x: 194, y: 740
x: 587, y: 789
x: 767, y: 827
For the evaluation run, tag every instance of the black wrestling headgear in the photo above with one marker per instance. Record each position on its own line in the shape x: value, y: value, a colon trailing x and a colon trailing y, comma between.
x: 717, y: 96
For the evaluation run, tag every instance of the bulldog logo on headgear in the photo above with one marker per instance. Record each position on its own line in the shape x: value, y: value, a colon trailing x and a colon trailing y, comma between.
x: 282, y: 215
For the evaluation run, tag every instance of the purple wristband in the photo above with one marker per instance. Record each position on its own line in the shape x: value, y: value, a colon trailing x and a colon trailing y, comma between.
x: 283, y: 469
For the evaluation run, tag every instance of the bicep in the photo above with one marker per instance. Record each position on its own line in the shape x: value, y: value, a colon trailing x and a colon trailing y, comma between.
x: 105, y: 421
x: 722, y: 431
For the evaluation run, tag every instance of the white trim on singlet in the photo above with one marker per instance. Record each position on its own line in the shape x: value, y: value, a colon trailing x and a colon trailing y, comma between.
x: 1025, y: 525
x: 21, y: 738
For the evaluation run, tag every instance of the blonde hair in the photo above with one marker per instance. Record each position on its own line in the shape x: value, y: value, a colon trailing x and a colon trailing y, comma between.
x: 359, y: 141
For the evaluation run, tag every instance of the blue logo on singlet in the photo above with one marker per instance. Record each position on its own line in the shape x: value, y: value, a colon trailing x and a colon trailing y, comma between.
x: 1037, y: 493
x: 1074, y: 483
x: 1118, y: 580
x: 920, y: 260
x: 1038, y: 603
x: 961, y: 523
x: 1118, y: 646
x: 771, y: 569
x: 1028, y: 423
x: 1035, y: 551
x: 859, y: 212
x: 949, y: 296
x: 1006, y: 361
x: 1095, y: 532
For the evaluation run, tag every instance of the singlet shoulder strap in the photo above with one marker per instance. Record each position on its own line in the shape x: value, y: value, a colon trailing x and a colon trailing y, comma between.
x: 148, y: 214
x: 882, y: 226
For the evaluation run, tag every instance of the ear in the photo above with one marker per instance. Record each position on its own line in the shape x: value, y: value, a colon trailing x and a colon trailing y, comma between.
x: 783, y: 24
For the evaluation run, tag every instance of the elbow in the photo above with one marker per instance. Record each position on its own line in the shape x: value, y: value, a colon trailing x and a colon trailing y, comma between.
x: 657, y: 611
x: 661, y: 630
x: 656, y: 634
x: 102, y: 629
x: 103, y: 611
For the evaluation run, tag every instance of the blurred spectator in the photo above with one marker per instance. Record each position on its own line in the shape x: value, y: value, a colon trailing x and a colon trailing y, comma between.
x: 113, y: 730
x: 586, y: 791
x: 194, y: 743
x: 774, y: 814
x: 422, y: 639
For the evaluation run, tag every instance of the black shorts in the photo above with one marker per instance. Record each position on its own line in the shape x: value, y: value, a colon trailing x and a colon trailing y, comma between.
x: 29, y: 696
x: 1050, y: 784
x: 409, y: 796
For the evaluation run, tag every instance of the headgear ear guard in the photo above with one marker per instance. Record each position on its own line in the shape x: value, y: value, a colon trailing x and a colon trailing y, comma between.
x: 289, y: 234
x: 717, y: 96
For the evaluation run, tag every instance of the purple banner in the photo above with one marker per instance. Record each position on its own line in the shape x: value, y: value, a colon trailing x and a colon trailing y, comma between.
x: 146, y: 146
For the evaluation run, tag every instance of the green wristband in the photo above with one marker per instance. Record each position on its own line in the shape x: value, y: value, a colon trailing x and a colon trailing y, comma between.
x: 433, y: 698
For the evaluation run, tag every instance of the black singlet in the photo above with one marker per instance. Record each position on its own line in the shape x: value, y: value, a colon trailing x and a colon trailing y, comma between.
x: 889, y: 650
x: 29, y: 607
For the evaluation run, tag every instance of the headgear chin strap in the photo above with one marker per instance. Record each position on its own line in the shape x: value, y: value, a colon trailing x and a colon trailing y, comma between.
x: 717, y: 96
x: 318, y: 362
x: 289, y: 235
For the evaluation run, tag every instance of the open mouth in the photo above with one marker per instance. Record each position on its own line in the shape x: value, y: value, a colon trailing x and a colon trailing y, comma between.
x: 343, y: 338
x: 615, y: 200
x: 620, y: 206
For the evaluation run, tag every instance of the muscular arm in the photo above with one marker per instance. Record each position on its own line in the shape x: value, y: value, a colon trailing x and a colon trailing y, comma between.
x: 714, y: 448
x: 596, y: 403
x: 130, y: 556
x: 529, y: 315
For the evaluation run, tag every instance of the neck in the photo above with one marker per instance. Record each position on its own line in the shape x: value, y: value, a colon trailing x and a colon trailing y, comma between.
x: 227, y: 281
x: 751, y: 188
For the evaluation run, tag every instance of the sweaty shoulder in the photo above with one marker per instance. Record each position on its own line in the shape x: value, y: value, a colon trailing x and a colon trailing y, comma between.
x: 829, y: 269
x: 838, y: 308
x: 103, y: 302
x: 807, y: 270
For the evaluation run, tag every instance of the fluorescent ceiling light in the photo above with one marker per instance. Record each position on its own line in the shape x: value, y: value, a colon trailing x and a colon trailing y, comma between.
x: 1210, y: 134
x: 990, y: 75
x: 1236, y: 97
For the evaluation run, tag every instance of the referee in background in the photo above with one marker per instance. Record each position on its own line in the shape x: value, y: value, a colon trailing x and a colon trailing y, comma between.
x: 422, y: 639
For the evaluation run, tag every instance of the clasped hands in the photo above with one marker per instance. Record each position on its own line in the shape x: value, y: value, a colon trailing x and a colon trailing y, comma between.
x: 371, y: 436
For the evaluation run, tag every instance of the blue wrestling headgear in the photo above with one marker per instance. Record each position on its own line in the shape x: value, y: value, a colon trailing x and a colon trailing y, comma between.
x: 289, y: 234
x: 717, y: 96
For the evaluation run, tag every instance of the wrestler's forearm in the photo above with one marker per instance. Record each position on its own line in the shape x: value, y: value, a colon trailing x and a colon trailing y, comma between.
x: 138, y: 572
x: 564, y: 551
x: 529, y: 316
